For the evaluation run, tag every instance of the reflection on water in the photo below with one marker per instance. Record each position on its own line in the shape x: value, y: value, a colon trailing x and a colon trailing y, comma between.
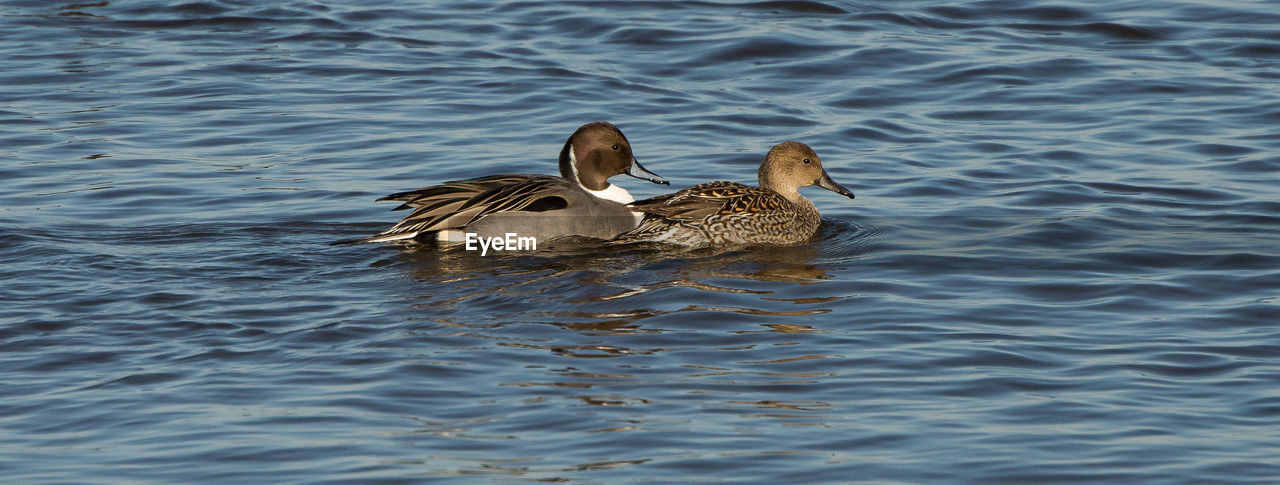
x: 451, y: 277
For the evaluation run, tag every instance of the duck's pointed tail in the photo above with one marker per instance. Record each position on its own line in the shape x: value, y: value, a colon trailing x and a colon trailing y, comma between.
x: 376, y: 238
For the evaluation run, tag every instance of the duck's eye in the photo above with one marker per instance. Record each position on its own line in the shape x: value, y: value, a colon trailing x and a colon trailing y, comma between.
x: 807, y: 161
x: 616, y: 147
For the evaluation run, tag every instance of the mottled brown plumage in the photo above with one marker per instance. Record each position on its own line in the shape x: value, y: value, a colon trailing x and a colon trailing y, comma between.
x: 730, y: 213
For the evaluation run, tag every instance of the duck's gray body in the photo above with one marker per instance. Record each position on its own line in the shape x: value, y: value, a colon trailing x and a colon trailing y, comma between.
x: 540, y: 206
x: 580, y: 202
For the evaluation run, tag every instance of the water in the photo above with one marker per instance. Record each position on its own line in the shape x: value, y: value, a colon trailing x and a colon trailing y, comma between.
x: 1062, y: 264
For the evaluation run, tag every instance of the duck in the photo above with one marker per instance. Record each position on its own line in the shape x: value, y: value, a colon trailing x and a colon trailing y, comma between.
x: 579, y: 202
x: 725, y: 213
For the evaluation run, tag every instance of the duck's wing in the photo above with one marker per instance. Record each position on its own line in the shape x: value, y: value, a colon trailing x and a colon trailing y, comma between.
x: 458, y: 203
x: 712, y: 198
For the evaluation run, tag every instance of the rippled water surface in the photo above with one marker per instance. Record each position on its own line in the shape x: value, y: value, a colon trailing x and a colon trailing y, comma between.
x: 1063, y: 263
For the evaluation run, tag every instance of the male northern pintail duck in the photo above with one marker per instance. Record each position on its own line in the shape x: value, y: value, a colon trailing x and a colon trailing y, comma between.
x: 580, y: 202
x: 730, y: 213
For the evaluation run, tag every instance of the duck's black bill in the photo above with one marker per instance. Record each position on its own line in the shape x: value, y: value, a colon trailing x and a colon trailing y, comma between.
x: 825, y: 182
x: 639, y: 172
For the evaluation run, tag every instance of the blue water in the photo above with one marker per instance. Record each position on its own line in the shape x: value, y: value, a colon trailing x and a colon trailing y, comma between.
x: 1063, y: 264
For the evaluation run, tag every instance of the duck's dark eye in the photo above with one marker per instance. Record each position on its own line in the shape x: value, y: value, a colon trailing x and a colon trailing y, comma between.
x: 616, y: 147
x: 807, y: 161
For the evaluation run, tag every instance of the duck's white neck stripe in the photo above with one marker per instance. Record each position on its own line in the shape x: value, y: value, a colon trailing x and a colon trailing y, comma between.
x: 573, y: 166
x: 612, y: 192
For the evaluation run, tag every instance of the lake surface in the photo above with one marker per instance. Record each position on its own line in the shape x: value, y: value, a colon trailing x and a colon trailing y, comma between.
x: 1063, y: 264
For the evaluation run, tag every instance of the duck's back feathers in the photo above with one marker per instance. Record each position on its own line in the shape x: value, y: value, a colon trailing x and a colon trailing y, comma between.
x: 720, y: 198
x: 465, y: 189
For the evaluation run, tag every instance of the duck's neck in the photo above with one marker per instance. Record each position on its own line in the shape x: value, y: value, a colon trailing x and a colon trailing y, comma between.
x: 776, y: 185
x: 792, y: 195
x: 614, y: 193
